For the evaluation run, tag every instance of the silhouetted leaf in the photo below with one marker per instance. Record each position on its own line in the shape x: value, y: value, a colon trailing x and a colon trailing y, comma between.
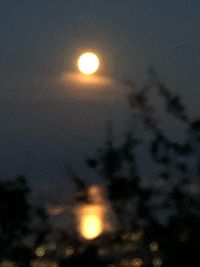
x: 92, y: 163
x: 165, y: 175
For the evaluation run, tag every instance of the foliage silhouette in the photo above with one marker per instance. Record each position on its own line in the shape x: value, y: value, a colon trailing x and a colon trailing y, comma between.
x: 16, y: 221
x: 158, y: 197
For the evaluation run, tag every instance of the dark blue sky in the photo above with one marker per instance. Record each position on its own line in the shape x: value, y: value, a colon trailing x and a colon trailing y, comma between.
x: 42, y: 126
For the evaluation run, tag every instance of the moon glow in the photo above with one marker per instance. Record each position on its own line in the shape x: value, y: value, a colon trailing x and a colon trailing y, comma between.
x: 88, y: 63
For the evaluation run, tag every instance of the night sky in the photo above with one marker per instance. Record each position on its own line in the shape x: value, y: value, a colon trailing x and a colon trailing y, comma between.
x: 47, y: 122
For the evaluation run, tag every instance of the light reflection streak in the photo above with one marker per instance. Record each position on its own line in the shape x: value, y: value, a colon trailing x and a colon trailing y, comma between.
x: 92, y: 218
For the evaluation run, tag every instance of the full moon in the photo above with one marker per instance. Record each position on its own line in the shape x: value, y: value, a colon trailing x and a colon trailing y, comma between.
x: 88, y: 63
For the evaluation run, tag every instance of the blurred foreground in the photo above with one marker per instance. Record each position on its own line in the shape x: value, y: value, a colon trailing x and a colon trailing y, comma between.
x: 147, y: 213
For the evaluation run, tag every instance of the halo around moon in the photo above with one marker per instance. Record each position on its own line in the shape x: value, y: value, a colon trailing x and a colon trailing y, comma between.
x: 88, y: 63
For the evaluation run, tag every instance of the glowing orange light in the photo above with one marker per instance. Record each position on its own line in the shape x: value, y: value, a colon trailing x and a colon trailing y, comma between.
x: 91, y: 226
x: 91, y: 218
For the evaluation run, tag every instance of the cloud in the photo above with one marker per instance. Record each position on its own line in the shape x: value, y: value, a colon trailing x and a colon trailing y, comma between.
x: 94, y: 87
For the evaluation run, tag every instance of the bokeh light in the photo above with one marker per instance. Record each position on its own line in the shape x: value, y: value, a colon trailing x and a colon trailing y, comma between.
x: 154, y: 246
x: 157, y: 262
x: 69, y: 251
x: 137, y: 262
x: 40, y: 251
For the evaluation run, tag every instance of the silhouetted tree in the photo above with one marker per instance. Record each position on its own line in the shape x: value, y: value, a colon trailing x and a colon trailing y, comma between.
x: 14, y: 213
x: 159, y: 194
x: 16, y: 217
